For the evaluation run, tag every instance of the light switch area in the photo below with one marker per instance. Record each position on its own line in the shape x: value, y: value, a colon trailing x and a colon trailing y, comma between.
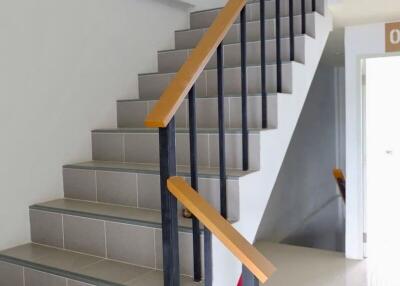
x: 382, y: 118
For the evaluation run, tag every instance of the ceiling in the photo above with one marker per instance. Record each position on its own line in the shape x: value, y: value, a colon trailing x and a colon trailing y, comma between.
x: 356, y: 12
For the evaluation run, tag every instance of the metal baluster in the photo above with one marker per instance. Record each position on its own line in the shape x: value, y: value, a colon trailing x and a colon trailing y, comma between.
x: 208, y: 263
x: 314, y: 5
x: 194, y: 183
x: 291, y: 31
x: 264, y: 94
x: 243, y: 51
x: 278, y: 46
x: 303, y: 16
x: 169, y: 206
x: 221, y: 128
x: 248, y: 278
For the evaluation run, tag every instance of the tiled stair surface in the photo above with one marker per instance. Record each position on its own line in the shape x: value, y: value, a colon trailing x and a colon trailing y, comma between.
x: 107, y: 229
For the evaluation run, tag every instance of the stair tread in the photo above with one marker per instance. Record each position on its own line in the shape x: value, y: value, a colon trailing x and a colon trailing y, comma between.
x: 270, y: 94
x: 249, y: 21
x: 84, y: 268
x: 233, y: 44
x: 178, y: 130
x: 109, y: 212
x: 204, y: 172
x: 226, y: 68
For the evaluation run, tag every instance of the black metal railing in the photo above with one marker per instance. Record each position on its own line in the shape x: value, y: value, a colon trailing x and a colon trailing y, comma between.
x: 167, y: 145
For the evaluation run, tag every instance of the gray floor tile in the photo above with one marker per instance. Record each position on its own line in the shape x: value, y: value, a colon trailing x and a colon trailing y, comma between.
x: 11, y: 275
x: 131, y: 113
x: 36, y: 278
x: 84, y: 235
x: 117, y: 188
x: 185, y: 252
x: 46, y: 228
x: 67, y: 260
x: 132, y: 244
x: 114, y: 272
x: 149, y: 191
x: 108, y: 147
x: 141, y: 148
x: 79, y: 184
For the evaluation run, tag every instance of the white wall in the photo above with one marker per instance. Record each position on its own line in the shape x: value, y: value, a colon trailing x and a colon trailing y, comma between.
x: 63, y: 64
x: 360, y: 42
x: 305, y: 208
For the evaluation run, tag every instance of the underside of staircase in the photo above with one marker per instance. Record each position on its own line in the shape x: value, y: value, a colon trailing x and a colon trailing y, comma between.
x: 107, y: 228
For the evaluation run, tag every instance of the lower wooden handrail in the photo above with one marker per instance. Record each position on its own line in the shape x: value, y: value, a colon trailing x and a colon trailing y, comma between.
x: 255, y: 262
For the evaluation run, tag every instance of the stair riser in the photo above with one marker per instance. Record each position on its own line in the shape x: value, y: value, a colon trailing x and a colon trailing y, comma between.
x: 188, y: 39
x: 139, y: 190
x: 204, y: 19
x: 151, y: 86
x: 143, y: 148
x: 133, y: 113
x: 171, y: 61
x: 135, y: 244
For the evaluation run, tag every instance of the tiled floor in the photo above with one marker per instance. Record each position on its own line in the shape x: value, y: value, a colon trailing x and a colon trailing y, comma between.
x: 310, y: 267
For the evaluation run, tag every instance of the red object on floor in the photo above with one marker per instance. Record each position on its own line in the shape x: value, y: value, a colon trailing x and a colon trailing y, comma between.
x: 240, y: 283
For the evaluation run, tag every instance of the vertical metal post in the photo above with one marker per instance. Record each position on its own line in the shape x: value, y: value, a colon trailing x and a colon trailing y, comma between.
x: 264, y: 107
x: 248, y: 278
x: 303, y: 17
x: 169, y: 206
x: 221, y: 129
x: 194, y: 183
x: 278, y: 46
x: 313, y: 6
x: 243, y: 51
x: 208, y: 263
x: 291, y: 31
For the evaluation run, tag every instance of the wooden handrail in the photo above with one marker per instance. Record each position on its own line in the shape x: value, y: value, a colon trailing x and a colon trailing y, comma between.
x: 173, y: 96
x: 221, y: 228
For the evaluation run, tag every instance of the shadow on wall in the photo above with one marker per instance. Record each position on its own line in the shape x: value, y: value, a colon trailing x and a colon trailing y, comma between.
x: 305, y: 207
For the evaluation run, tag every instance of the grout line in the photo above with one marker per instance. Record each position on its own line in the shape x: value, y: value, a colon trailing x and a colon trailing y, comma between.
x: 155, y: 251
x: 206, y: 82
x: 63, y: 232
x: 95, y: 185
x: 105, y: 240
x: 23, y: 276
x: 137, y: 190
x: 123, y: 148
x: 209, y: 150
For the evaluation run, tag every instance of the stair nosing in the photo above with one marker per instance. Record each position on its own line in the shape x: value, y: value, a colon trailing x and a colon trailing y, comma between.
x: 155, y: 172
x: 270, y: 94
x: 105, y: 217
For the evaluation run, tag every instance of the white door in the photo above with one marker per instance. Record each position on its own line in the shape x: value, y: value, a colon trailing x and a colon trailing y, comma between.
x: 383, y: 169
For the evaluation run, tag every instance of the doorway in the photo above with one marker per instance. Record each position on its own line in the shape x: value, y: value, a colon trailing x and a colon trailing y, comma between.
x: 382, y: 169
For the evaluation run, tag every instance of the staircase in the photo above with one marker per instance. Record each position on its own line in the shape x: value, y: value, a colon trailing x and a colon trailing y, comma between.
x: 107, y: 230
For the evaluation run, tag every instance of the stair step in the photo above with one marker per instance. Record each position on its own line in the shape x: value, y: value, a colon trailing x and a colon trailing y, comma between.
x: 203, y: 19
x: 41, y: 265
x: 141, y: 146
x: 152, y: 85
x: 189, y: 38
x: 132, y: 113
x: 121, y: 233
x: 138, y: 185
x: 172, y: 60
